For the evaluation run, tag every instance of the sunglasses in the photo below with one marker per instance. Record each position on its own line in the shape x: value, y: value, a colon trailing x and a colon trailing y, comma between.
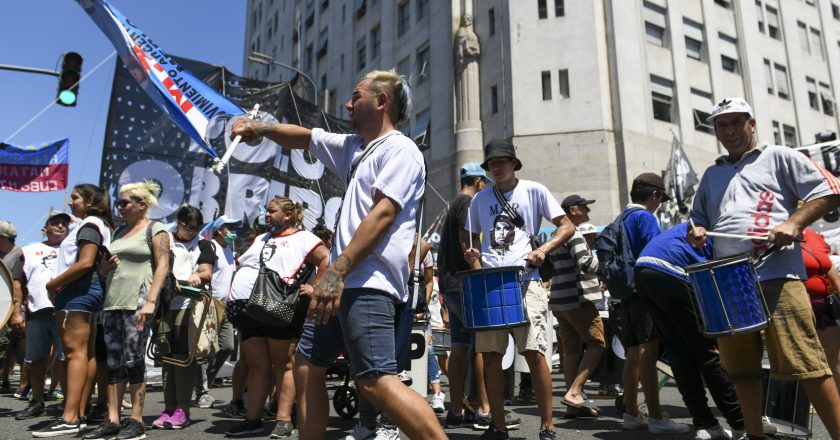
x: 122, y: 203
x: 188, y: 227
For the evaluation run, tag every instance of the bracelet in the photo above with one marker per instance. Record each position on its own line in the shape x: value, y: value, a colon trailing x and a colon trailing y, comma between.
x: 545, y: 254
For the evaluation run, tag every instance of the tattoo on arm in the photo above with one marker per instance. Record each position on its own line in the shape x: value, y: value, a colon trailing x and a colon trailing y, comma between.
x: 342, y: 264
x: 330, y: 282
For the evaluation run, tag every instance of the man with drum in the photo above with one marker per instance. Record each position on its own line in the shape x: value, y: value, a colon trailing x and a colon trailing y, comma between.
x: 753, y: 190
x: 450, y: 261
x: 368, y: 278
x: 526, y: 204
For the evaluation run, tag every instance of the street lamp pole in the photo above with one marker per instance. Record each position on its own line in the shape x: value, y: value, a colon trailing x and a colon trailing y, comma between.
x: 262, y: 58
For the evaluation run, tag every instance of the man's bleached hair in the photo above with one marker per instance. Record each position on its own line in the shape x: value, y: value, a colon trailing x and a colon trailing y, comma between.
x: 396, y: 87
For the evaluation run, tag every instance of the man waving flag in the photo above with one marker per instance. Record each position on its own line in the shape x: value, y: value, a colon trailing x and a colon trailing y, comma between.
x: 187, y: 100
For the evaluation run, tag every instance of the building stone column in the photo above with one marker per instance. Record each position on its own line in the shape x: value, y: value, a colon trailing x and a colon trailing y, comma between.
x: 468, y: 134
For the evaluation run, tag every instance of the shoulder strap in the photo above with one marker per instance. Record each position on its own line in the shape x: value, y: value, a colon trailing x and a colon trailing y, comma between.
x: 514, y: 216
x: 822, y: 269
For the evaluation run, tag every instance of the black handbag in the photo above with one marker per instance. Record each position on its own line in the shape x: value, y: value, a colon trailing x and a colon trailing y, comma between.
x: 273, y: 301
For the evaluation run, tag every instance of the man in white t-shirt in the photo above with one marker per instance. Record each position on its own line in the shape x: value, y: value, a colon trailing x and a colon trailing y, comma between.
x: 506, y: 237
x: 223, y: 238
x: 368, y: 277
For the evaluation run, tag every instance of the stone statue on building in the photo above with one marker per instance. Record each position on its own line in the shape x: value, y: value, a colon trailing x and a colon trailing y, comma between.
x: 467, y: 51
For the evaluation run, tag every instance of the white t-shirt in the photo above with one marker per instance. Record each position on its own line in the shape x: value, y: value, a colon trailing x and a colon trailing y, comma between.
x: 284, y: 254
x: 395, y: 169
x: 186, y: 263
x: 223, y: 272
x: 69, y: 249
x: 502, y: 244
x: 39, y: 260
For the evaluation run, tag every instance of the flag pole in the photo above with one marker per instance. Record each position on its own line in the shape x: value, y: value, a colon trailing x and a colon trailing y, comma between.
x: 219, y: 165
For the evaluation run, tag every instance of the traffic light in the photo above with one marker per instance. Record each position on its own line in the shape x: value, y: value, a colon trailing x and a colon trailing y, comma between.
x: 68, y: 79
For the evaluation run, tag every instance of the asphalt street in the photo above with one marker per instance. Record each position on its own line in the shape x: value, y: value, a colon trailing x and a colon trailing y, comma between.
x: 212, y: 423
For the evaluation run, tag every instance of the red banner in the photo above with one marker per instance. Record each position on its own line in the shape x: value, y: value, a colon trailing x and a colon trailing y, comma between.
x: 34, y: 169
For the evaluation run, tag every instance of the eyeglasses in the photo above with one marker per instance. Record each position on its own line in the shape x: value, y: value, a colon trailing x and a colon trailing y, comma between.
x: 188, y: 227
x: 122, y: 203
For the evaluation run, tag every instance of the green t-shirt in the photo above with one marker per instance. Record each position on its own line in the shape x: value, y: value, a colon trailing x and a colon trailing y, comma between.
x: 129, y: 282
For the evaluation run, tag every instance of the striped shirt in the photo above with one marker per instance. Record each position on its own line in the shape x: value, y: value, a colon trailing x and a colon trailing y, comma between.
x: 574, y: 280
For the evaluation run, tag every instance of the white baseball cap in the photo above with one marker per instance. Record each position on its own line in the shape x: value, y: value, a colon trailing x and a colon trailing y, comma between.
x: 730, y: 105
x: 587, y: 228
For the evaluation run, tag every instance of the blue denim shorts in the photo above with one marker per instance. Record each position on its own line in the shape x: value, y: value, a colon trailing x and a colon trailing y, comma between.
x: 458, y: 336
x: 367, y: 329
x: 81, y: 296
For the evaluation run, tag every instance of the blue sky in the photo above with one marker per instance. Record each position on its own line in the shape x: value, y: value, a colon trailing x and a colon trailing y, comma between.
x: 36, y: 32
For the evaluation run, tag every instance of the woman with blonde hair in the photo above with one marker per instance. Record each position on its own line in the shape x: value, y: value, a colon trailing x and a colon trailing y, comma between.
x: 292, y: 254
x: 139, y: 265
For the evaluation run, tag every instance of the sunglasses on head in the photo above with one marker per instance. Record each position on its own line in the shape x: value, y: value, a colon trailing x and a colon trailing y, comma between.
x: 121, y: 203
x: 188, y: 227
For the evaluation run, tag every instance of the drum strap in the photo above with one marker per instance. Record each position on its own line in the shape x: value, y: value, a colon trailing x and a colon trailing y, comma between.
x: 514, y: 216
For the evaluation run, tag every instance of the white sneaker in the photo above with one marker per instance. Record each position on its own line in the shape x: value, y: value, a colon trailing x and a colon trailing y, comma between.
x: 205, y: 401
x: 361, y: 432
x: 387, y: 432
x: 714, y: 433
x: 437, y: 402
x: 634, y: 422
x: 666, y: 426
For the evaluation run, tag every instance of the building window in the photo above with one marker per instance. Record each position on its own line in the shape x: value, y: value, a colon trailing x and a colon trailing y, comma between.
x: 777, y: 133
x: 422, y: 64
x: 403, y: 18
x: 662, y: 94
x: 827, y: 99
x: 559, y: 8
x: 813, y: 100
x: 724, y: 4
x: 789, y: 135
x: 702, y: 104
x: 361, y: 8
x: 693, y: 39
x: 729, y: 53
x: 782, y: 88
x: 375, y: 42
x: 420, y: 135
x: 342, y: 63
x: 803, y: 37
x: 542, y: 8
x: 655, y: 24
x: 759, y: 13
x: 491, y: 21
x: 403, y: 68
x: 422, y: 9
x: 835, y: 9
x: 816, y: 42
x: 773, y: 23
x: 546, y: 85
x: 563, y: 82
x: 494, y: 100
x: 361, y: 54
x: 768, y: 76
x: 307, y: 59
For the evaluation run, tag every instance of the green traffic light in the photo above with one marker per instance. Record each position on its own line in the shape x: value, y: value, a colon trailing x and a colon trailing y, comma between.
x: 67, y: 97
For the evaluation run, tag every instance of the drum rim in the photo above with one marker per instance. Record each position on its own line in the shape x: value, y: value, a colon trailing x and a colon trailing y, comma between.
x: 463, y: 273
x: 711, y: 264
x: 796, y: 430
x: 740, y: 331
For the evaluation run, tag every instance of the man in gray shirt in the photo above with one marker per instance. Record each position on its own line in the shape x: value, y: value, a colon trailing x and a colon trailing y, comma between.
x: 753, y: 190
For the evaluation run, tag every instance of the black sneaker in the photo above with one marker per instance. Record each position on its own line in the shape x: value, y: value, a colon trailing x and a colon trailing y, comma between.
x: 57, y: 428
x: 132, y: 430
x: 547, y: 434
x: 453, y: 420
x: 493, y: 433
x: 34, y: 409
x: 483, y: 421
x: 526, y: 395
x: 105, y: 431
x: 248, y: 427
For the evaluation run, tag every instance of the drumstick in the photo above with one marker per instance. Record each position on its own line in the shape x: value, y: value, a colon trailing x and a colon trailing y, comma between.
x: 743, y: 237
x: 469, y: 222
x: 693, y: 227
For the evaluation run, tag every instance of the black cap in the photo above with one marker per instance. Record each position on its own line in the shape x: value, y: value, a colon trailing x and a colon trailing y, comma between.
x: 574, y: 200
x: 652, y: 180
x: 500, y: 148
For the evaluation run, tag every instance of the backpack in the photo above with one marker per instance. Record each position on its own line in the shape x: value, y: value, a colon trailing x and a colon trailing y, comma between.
x: 615, y: 258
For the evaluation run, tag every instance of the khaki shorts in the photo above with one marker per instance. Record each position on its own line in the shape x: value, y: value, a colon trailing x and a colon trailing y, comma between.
x: 793, y: 348
x: 580, y: 326
x: 533, y: 337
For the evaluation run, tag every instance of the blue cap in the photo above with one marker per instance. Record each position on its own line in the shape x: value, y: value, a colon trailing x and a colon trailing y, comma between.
x: 224, y: 220
x: 473, y: 169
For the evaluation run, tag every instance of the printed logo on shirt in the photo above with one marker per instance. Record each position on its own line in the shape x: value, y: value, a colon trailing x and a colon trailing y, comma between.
x: 761, y: 221
x: 48, y: 261
x: 502, y: 235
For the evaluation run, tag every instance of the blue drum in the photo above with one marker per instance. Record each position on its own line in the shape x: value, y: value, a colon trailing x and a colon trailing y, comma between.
x: 729, y: 296
x: 493, y: 298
